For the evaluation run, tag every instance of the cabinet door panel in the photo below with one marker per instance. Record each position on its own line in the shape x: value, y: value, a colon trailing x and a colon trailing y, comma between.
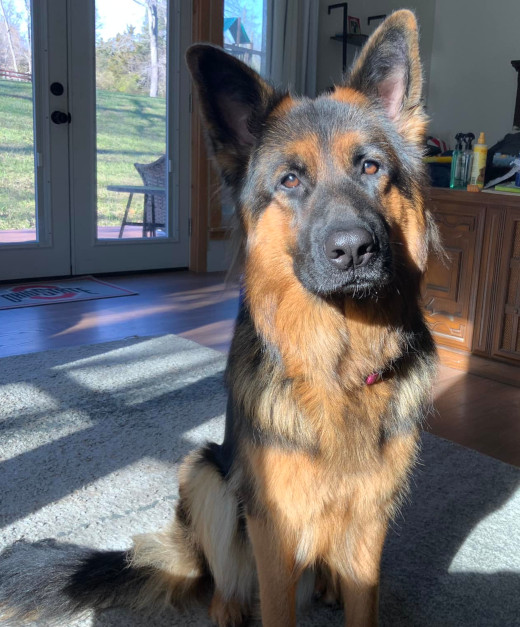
x: 506, y: 340
x: 485, y: 313
x: 450, y: 287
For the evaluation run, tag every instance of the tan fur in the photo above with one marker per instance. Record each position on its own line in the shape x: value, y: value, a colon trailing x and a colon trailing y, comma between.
x: 349, y: 95
x: 226, y: 612
x: 320, y: 512
x: 177, y: 569
x: 342, y: 149
x: 212, y: 531
x: 277, y: 578
x: 213, y: 511
x: 307, y: 495
x: 284, y: 106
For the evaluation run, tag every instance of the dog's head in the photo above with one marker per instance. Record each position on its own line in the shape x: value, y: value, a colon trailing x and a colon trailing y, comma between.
x: 330, y: 189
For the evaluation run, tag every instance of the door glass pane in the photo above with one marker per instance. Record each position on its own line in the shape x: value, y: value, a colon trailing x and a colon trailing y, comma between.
x: 131, y: 53
x: 245, y: 31
x: 18, y: 216
x: 245, y: 23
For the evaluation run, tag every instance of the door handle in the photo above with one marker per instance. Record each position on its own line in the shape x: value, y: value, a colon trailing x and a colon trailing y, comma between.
x: 60, y: 117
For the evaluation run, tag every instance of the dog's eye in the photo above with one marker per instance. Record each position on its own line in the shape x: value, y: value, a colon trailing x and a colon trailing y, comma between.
x: 290, y: 181
x: 370, y: 167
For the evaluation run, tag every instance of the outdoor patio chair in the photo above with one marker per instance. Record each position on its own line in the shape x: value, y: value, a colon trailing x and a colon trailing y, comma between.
x: 154, y: 209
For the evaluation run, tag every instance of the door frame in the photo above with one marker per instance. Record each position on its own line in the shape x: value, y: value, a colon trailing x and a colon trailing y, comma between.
x: 208, y: 26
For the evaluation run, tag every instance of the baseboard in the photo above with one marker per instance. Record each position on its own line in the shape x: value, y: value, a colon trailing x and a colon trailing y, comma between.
x: 488, y: 368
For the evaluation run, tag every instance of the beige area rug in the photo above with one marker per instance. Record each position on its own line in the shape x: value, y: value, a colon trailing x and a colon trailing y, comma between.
x: 90, y: 440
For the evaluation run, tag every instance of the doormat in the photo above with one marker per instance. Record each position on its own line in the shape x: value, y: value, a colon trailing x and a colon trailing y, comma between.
x: 61, y: 291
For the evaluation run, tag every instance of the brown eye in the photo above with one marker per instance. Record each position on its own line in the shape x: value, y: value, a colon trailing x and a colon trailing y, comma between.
x: 370, y: 167
x: 290, y: 181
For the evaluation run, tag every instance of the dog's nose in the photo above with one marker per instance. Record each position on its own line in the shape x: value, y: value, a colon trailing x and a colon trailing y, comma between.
x: 350, y: 248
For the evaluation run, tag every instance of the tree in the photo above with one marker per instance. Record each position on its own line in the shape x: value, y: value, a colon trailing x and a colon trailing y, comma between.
x: 121, y: 63
x: 9, y: 36
x: 134, y: 61
x: 29, y: 34
x: 15, y: 37
x: 153, y: 32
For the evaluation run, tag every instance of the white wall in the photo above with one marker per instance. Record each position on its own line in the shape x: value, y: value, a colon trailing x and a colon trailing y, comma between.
x: 466, y: 48
x: 329, y: 52
x: 472, y: 83
x: 329, y: 70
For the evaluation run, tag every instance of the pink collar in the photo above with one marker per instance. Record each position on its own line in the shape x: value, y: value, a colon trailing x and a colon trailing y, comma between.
x: 373, y: 378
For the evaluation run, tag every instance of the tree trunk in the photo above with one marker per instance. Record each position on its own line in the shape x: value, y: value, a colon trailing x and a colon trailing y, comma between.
x: 153, y: 27
x: 29, y: 34
x: 9, y: 39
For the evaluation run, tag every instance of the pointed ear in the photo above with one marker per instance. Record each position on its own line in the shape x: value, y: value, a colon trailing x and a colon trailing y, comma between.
x: 389, y: 70
x: 234, y: 101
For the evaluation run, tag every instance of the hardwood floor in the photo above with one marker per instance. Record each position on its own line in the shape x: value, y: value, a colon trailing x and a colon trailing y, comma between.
x: 473, y: 411
x: 479, y: 413
x: 196, y: 306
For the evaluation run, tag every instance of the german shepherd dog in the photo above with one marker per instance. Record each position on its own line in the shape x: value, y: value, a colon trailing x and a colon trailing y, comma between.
x: 330, y: 368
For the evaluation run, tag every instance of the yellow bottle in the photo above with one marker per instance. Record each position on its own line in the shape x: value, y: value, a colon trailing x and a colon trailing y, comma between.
x: 478, y: 168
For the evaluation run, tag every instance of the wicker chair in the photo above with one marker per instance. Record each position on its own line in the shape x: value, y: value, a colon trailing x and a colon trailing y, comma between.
x: 155, y: 208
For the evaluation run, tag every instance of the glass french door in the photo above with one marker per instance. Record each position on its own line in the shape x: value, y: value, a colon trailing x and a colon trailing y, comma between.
x: 93, y: 164
x: 34, y: 186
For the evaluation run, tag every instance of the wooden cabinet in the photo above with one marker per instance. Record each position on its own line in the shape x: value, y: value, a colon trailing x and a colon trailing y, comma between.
x: 473, y: 299
x: 450, y: 285
x: 506, y: 336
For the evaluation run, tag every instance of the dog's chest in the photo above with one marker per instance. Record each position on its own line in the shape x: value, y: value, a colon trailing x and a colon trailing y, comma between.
x: 315, y: 500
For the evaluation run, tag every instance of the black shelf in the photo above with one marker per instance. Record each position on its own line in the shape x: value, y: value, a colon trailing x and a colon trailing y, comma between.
x: 356, y: 39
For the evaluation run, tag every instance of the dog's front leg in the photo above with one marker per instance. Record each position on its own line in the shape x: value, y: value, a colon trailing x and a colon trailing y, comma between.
x: 361, y: 604
x: 276, y: 576
x: 360, y: 582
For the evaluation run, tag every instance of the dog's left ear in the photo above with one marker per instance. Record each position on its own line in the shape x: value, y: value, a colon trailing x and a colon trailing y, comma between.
x: 389, y: 70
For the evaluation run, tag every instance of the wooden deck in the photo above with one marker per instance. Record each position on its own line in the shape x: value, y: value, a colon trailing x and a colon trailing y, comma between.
x: 104, y: 232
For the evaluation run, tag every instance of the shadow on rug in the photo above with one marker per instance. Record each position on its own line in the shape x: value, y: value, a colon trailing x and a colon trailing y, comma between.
x: 89, y: 442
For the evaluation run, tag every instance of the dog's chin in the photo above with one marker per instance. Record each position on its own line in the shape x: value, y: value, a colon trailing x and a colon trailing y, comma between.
x: 357, y: 289
x: 364, y: 283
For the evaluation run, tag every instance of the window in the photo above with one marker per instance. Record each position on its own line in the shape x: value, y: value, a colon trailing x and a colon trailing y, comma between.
x: 245, y: 31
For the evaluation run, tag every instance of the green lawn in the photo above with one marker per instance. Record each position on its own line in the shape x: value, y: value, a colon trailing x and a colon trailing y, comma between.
x: 130, y: 129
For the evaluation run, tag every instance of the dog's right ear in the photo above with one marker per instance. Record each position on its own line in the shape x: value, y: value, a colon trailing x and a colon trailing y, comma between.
x: 234, y: 100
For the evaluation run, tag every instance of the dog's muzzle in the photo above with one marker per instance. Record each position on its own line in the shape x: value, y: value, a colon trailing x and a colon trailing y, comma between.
x: 348, y: 257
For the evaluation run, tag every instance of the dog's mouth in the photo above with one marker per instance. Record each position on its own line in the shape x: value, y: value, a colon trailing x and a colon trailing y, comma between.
x: 367, y: 282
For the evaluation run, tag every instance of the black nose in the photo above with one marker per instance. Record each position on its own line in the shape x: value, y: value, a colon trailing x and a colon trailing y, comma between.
x: 350, y: 248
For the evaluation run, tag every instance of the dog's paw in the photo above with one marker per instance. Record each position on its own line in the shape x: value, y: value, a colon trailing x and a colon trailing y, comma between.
x: 227, y: 613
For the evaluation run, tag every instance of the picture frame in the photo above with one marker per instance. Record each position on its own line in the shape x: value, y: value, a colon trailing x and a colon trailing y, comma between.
x: 354, y: 25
